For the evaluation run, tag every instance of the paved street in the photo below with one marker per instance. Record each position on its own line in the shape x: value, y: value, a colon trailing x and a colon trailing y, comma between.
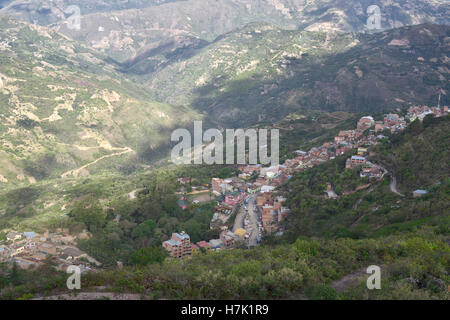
x: 253, y: 218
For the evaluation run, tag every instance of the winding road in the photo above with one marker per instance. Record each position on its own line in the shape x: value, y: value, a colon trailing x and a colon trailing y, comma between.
x: 76, y: 172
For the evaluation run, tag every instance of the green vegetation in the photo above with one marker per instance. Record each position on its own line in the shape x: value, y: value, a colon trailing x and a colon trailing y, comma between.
x: 413, y: 267
x: 418, y: 157
x: 374, y: 210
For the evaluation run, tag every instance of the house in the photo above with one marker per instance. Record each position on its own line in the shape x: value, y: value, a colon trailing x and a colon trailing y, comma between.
x: 220, y: 186
x: 203, y: 244
x: 371, y: 171
x: 267, y: 189
x: 216, y: 244
x: 179, y: 246
x: 25, y: 263
x: 354, y: 161
x: 195, y: 249
x: 47, y: 248
x: 184, y: 180
x: 283, y: 212
x: 39, y: 256
x: 362, y: 151
x: 181, y: 203
x: 240, y: 233
x: 232, y: 200
x: 4, y: 252
x: 17, y: 249
x: 13, y: 236
x: 278, y: 203
x: 228, y: 238
x: 29, y: 235
x: 365, y: 123
x: 419, y: 193
x: 269, y: 171
x: 74, y: 253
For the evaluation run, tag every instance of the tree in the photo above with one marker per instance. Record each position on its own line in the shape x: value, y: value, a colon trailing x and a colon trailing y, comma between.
x: 15, y: 277
x: 89, y: 211
x: 145, y: 230
x: 150, y: 255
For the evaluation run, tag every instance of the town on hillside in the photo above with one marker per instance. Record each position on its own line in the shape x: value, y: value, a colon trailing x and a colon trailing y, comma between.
x: 252, y: 196
x: 30, y: 250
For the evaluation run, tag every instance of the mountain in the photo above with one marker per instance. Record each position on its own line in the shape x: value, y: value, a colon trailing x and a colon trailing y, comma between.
x: 62, y: 107
x: 126, y: 30
x: 245, y: 61
x: 263, y: 73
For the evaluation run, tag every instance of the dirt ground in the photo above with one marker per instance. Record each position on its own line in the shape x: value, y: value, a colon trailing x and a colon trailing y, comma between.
x: 93, y: 296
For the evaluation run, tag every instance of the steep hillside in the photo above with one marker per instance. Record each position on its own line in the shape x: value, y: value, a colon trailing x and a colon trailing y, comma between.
x: 262, y: 73
x: 418, y: 158
x: 62, y: 107
x: 369, y: 208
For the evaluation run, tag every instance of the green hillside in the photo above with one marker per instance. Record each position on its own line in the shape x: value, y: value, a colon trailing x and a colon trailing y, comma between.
x: 62, y: 107
x: 375, y: 210
x: 418, y: 157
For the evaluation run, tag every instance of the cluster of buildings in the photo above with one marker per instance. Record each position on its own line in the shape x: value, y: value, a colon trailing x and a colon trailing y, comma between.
x: 368, y: 169
x: 420, y: 112
x: 262, y: 182
x: 30, y: 250
x: 180, y: 246
x: 271, y: 211
x: 392, y: 122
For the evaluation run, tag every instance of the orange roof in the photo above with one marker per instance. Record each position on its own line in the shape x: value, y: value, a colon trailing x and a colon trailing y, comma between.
x: 203, y: 244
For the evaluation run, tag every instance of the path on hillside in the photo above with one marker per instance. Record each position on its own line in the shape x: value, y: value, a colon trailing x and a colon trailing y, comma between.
x: 348, y: 280
x: 393, y: 186
x: 239, y: 220
x: 75, y: 172
x: 253, y: 217
x: 92, y: 296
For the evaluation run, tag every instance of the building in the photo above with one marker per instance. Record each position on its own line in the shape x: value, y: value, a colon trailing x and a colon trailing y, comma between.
x: 29, y: 235
x: 220, y: 186
x: 182, y: 203
x: 13, y: 236
x: 267, y: 189
x: 355, y: 161
x: 179, y: 246
x: 203, y: 244
x: 365, y: 123
x: 195, y: 249
x: 216, y: 244
x: 74, y: 253
x: 228, y: 239
x: 240, y: 233
x: 419, y: 193
x: 283, y: 212
x: 232, y: 200
x: 362, y: 151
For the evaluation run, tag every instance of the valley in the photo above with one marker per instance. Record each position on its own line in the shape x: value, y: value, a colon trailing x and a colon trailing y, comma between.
x: 91, y: 93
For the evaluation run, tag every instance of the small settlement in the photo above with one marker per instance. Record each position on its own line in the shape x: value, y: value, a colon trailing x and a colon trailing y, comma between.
x: 30, y: 250
x: 255, y: 188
